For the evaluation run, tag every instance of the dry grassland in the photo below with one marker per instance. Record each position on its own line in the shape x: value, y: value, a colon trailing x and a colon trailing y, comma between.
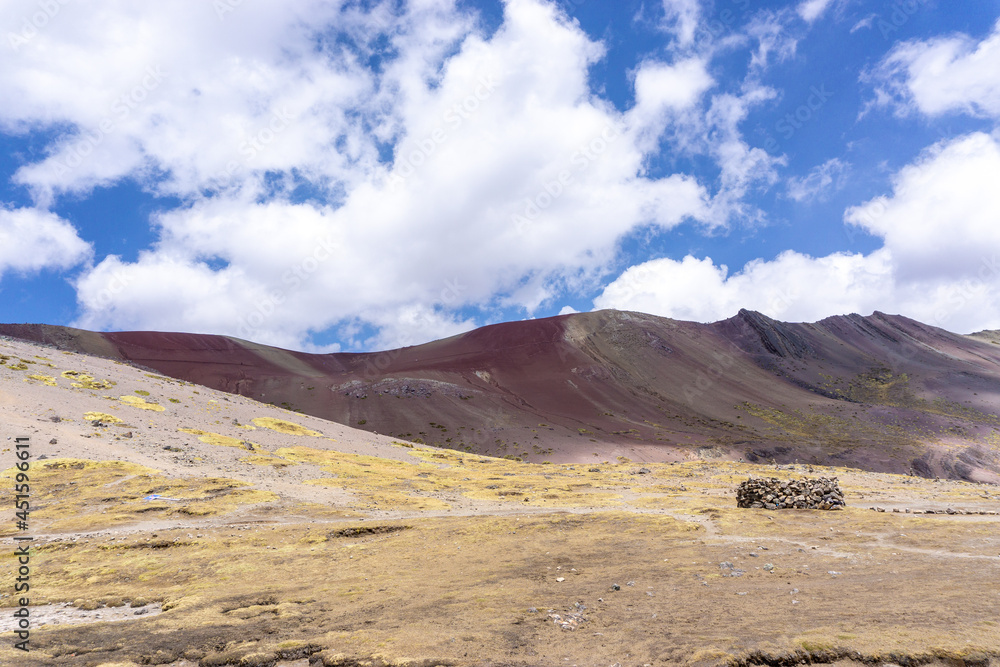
x: 309, y: 545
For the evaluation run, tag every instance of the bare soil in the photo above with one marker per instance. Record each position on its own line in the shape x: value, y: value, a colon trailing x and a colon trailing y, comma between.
x: 319, y: 544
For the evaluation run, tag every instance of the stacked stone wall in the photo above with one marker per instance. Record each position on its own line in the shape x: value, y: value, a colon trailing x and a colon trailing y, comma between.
x: 776, y: 494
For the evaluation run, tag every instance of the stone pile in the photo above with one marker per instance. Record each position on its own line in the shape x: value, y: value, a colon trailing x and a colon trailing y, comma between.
x: 776, y: 494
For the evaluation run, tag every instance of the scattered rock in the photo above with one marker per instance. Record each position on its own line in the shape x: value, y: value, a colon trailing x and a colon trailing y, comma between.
x: 730, y: 570
x: 53, y: 441
x: 567, y: 621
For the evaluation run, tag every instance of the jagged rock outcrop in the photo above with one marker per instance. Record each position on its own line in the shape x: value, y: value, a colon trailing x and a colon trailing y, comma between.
x: 776, y: 494
x: 776, y: 338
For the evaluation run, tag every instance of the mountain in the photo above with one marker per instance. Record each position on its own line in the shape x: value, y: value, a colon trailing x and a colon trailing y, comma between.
x: 171, y: 524
x: 882, y: 392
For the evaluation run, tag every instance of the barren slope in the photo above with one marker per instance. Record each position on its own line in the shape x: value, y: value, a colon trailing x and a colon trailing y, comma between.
x: 881, y: 392
x: 178, y: 525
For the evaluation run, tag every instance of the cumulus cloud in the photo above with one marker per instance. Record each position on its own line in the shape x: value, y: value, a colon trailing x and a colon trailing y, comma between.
x: 940, y: 261
x: 33, y: 240
x: 793, y: 286
x: 660, y: 87
x: 374, y: 169
x: 663, y: 92
x: 507, y: 177
x: 941, y: 219
x: 411, y: 324
x: 946, y: 74
x: 240, y: 95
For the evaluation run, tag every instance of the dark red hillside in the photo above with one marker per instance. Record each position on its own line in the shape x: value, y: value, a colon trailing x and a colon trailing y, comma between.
x: 880, y: 392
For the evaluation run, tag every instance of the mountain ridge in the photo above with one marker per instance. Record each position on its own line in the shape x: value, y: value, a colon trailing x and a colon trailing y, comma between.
x: 879, y: 392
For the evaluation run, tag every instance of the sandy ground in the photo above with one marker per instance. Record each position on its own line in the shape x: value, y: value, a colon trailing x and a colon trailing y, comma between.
x: 302, y: 541
x: 66, y: 614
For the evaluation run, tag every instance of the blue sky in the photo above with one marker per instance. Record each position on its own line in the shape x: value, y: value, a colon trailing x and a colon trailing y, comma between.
x: 328, y: 176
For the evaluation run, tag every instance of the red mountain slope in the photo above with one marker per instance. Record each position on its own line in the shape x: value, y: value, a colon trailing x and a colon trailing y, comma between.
x: 880, y: 392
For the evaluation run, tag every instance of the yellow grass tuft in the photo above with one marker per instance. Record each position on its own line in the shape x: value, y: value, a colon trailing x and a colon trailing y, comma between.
x: 102, y: 416
x: 215, y: 438
x: 141, y: 403
x: 84, y: 381
x: 81, y: 494
x: 286, y: 427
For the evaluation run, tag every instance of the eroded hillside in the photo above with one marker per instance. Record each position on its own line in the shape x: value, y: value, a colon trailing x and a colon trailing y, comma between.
x: 882, y: 393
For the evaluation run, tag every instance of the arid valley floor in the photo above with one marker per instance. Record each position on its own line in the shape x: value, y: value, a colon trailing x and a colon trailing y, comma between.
x: 174, y: 524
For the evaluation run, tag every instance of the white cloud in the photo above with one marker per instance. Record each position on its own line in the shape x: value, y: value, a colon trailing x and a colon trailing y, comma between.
x: 413, y: 324
x: 771, y: 31
x: 942, y: 75
x: 660, y: 87
x: 940, y: 262
x: 866, y: 22
x: 236, y: 98
x: 742, y: 167
x: 33, y: 239
x: 442, y: 169
x: 681, y: 20
x: 941, y: 220
x: 676, y: 104
x: 810, y: 10
x: 663, y: 91
x: 793, y: 287
x: 818, y: 181
x: 509, y: 179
